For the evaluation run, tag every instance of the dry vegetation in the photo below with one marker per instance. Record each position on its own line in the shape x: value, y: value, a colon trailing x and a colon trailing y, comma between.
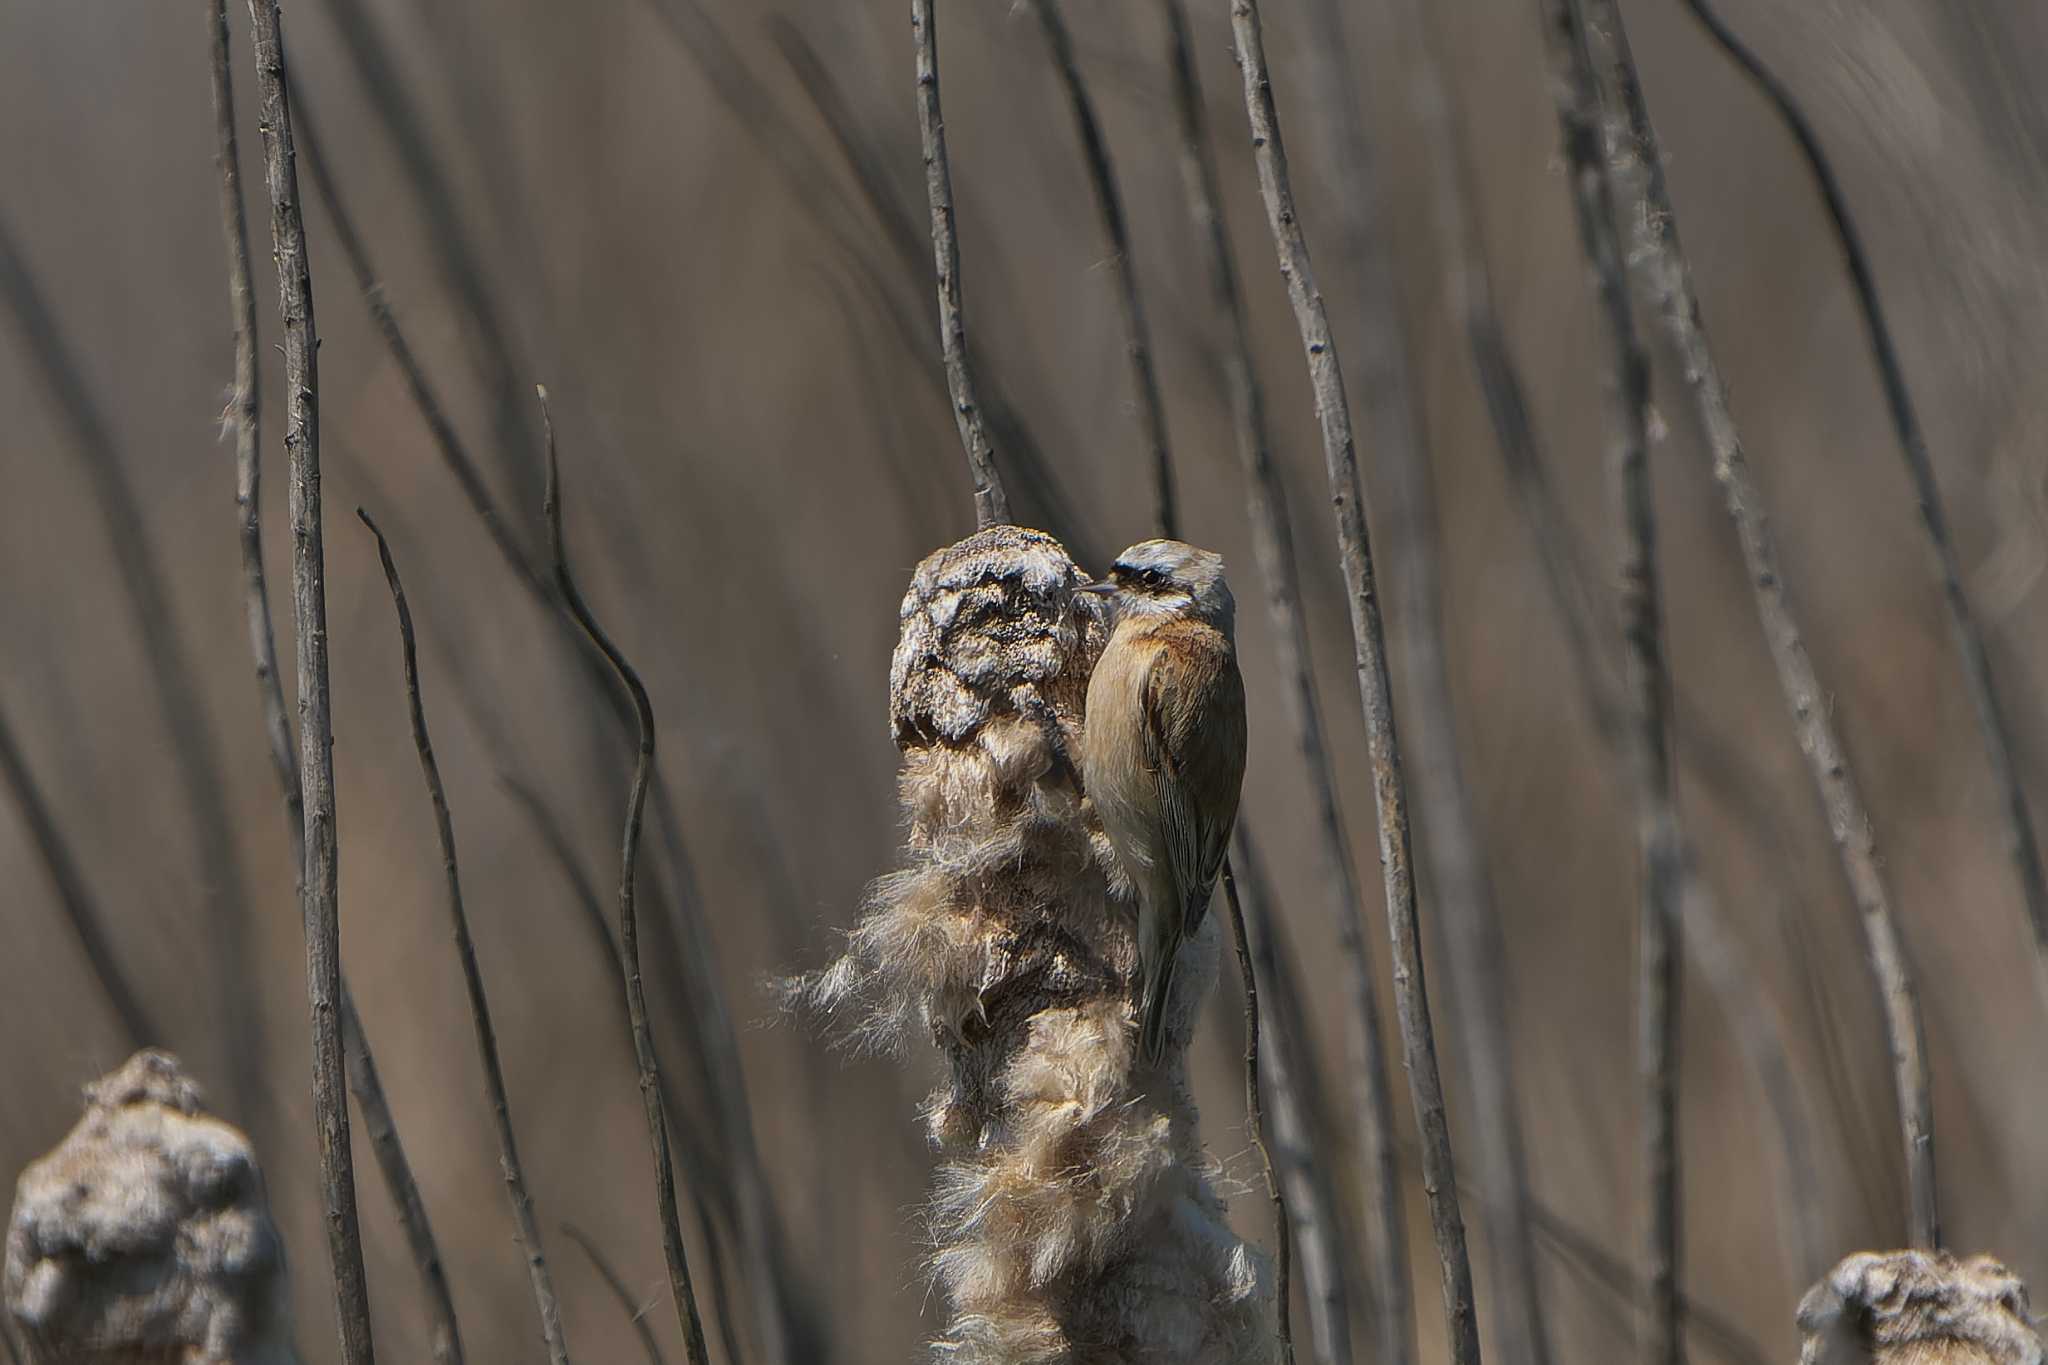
x: 703, y: 225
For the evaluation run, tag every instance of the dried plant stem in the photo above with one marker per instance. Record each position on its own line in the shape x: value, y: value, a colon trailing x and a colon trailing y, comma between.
x: 1109, y: 203
x: 379, y: 1123
x: 80, y: 911
x: 472, y: 976
x: 1255, y: 1120
x: 1576, y: 85
x: 1333, y: 414
x: 635, y: 1313
x: 629, y: 928
x: 1668, y: 272
x: 1452, y: 846
x: 990, y: 503
x: 1273, y: 541
x: 319, y: 883
x: 2022, y: 846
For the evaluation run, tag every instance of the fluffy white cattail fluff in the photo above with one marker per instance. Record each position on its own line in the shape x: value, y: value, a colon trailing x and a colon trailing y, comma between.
x: 145, y: 1238
x: 1074, y: 1218
x: 1918, y: 1308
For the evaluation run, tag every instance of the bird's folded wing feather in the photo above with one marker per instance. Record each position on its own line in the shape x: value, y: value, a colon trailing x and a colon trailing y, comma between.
x: 1195, y: 741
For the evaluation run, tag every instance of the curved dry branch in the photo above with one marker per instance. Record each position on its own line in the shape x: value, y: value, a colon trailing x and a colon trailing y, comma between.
x: 472, y: 976
x: 1659, y: 842
x: 635, y: 1313
x: 1333, y: 415
x: 2021, y: 843
x: 1255, y: 1118
x: 629, y: 925
x: 1668, y: 273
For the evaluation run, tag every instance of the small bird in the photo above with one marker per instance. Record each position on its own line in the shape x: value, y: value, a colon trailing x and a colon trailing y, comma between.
x: 1163, y: 748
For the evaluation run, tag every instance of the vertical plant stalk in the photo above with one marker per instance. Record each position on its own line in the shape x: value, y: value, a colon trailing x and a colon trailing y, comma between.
x: 1333, y: 415
x: 991, y: 505
x: 472, y: 976
x: 1255, y: 1121
x: 319, y: 885
x: 1576, y: 86
x: 2021, y: 843
x: 636, y: 1315
x: 1668, y: 272
x: 1452, y: 847
x: 244, y: 411
x: 1273, y: 542
x: 1109, y: 203
x: 629, y: 925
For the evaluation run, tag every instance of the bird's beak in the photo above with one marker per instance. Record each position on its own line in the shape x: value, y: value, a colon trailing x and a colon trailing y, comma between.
x: 1102, y: 587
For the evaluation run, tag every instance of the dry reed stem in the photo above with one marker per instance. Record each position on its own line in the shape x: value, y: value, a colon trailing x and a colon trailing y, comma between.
x: 319, y: 881
x: 1273, y: 543
x: 743, y: 1198
x: 2021, y: 843
x: 629, y: 929
x: 1109, y: 204
x: 1667, y: 272
x: 1576, y: 88
x: 1411, y: 996
x: 527, y: 1228
x: 76, y: 901
x: 1452, y: 846
x: 1255, y: 1118
x: 379, y: 1123
x: 1592, y: 1261
x: 991, y: 505
x: 635, y: 1313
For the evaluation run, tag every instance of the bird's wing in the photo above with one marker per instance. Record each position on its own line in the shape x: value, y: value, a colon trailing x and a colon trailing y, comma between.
x: 1195, y: 741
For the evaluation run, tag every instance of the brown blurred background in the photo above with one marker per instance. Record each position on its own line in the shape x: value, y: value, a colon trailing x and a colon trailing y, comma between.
x: 756, y: 455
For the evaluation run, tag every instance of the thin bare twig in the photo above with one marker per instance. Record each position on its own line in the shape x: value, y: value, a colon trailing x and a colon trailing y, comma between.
x: 1452, y: 847
x: 1333, y: 415
x: 80, y: 911
x: 173, y: 674
x: 1255, y: 1119
x: 1576, y: 86
x: 990, y: 504
x: 1668, y: 273
x: 1109, y: 203
x: 2021, y: 843
x: 319, y: 882
x: 636, y: 1313
x: 629, y: 928
x: 1273, y: 541
x: 379, y: 1123
x: 472, y: 976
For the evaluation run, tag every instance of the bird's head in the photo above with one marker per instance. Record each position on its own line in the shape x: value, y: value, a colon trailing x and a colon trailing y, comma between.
x: 1169, y: 578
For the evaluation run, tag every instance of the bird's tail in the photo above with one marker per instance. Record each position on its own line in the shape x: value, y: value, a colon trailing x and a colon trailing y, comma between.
x: 1152, y: 1023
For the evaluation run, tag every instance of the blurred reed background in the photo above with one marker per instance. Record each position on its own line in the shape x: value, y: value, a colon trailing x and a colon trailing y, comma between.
x: 700, y: 223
